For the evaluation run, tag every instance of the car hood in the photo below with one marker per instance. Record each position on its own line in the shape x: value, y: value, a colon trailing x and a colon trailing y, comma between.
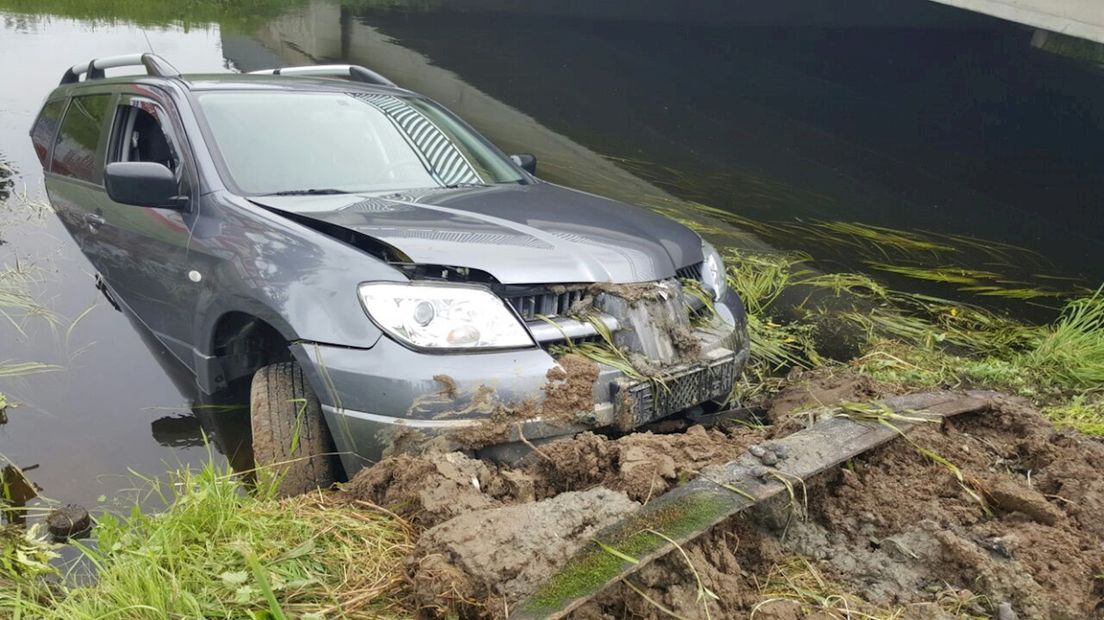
x: 520, y: 234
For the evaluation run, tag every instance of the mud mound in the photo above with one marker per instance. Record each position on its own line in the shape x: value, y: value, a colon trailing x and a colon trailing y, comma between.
x: 429, y: 489
x: 897, y: 532
x: 812, y: 389
x: 479, y: 560
x: 642, y: 465
x: 990, y: 513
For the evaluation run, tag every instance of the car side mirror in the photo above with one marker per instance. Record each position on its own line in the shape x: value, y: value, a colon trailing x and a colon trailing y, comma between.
x: 142, y: 184
x: 526, y: 161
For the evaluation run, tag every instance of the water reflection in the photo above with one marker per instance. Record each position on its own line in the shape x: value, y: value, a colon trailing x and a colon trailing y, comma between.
x: 89, y: 425
x: 219, y: 420
x: 916, y: 117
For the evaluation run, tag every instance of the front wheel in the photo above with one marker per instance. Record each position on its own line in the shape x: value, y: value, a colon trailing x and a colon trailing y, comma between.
x: 290, y: 437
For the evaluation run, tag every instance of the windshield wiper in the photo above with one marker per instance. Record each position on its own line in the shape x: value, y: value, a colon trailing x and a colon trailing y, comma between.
x: 459, y: 185
x: 308, y: 192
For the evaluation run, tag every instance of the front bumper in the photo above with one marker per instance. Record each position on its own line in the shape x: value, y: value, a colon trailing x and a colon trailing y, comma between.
x: 390, y: 397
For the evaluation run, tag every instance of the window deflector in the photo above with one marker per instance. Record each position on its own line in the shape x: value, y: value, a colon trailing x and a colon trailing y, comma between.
x: 128, y: 110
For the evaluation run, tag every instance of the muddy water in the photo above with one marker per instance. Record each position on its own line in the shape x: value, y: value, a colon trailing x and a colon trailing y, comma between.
x: 921, y: 117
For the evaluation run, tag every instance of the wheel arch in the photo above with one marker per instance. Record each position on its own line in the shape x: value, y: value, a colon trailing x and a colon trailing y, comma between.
x: 238, y: 342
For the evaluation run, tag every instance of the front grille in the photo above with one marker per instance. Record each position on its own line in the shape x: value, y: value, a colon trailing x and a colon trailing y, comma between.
x: 690, y: 272
x: 647, y: 401
x: 547, y: 304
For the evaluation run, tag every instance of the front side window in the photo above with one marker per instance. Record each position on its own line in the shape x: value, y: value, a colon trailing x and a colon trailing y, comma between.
x: 141, y: 136
x: 293, y: 142
x: 80, y: 137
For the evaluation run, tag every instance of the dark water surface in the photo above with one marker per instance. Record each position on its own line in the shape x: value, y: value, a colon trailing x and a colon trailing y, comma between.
x: 917, y: 117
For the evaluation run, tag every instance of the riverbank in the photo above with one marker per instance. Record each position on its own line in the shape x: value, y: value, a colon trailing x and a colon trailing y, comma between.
x: 962, y: 525
x: 962, y: 521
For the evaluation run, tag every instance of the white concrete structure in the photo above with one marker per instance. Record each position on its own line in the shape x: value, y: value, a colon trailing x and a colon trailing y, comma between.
x: 1076, y: 18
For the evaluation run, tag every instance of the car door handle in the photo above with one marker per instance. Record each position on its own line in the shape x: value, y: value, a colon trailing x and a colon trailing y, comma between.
x: 94, y: 221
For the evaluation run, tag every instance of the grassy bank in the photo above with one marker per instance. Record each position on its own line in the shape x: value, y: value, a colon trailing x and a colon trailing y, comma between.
x: 801, y: 318
x: 239, y: 15
x: 220, y: 550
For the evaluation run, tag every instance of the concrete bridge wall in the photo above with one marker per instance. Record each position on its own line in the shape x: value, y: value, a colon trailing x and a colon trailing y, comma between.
x: 1077, y: 18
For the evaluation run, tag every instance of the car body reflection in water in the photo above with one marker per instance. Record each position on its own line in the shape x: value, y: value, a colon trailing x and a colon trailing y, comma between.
x: 219, y: 421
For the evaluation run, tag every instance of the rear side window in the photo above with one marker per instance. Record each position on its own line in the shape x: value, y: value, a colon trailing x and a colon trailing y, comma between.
x: 80, y: 137
x: 42, y: 134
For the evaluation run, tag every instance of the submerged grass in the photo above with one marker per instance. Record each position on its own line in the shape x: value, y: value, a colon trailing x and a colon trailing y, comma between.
x: 17, y: 306
x: 221, y: 550
x: 918, y: 340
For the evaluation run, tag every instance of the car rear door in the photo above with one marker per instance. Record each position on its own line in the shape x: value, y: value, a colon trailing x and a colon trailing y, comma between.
x: 74, y: 174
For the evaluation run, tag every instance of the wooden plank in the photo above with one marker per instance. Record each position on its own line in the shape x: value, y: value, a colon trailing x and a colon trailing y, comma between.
x: 690, y: 510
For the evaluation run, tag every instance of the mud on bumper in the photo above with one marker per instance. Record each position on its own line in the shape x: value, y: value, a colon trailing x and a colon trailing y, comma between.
x: 366, y: 428
x: 390, y: 398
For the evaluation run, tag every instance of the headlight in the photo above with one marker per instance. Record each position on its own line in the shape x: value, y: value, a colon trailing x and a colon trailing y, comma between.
x: 714, y: 278
x: 443, y: 316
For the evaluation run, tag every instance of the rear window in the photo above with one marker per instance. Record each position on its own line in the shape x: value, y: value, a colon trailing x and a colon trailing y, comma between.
x: 42, y: 134
x: 79, y: 140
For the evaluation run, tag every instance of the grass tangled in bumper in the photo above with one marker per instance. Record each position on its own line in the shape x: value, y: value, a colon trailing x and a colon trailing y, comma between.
x: 222, y: 552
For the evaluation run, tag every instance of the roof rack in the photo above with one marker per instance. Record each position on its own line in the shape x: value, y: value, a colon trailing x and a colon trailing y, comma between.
x: 154, y: 64
x: 352, y: 72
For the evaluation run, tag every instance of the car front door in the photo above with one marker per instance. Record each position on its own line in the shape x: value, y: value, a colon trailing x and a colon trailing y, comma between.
x: 149, y: 272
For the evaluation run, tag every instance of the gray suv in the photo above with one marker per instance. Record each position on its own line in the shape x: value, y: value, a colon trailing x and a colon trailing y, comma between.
x: 384, y: 276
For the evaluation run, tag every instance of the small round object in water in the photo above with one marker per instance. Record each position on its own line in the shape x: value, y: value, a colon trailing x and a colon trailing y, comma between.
x: 195, y: 276
x: 68, y: 521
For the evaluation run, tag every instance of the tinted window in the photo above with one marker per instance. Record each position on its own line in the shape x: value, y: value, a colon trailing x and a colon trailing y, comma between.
x: 79, y: 138
x: 273, y: 142
x: 42, y: 134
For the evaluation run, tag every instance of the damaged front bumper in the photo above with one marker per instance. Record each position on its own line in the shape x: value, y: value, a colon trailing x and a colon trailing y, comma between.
x: 390, y: 398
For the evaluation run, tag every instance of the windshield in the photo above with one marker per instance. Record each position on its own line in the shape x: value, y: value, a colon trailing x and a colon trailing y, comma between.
x: 335, y: 142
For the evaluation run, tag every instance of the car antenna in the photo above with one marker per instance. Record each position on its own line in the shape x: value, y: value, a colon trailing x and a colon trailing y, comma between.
x: 148, y: 44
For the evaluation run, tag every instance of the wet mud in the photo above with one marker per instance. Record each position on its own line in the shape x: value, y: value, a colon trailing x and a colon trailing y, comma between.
x: 895, y: 532
x: 1005, y: 516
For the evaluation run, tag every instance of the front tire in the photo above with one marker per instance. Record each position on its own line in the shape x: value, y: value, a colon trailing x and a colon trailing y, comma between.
x: 290, y: 437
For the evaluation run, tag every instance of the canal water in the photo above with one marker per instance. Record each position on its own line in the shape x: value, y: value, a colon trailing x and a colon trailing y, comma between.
x: 792, y: 118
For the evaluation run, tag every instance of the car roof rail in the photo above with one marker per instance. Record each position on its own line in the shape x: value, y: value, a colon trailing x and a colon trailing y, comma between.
x: 353, y: 72
x: 154, y: 64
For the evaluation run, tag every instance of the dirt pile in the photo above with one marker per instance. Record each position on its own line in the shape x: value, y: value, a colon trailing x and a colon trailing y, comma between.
x: 990, y: 513
x: 806, y: 390
x: 491, y: 532
x: 480, y: 561
x: 896, y: 532
x: 642, y: 465
x: 431, y: 488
